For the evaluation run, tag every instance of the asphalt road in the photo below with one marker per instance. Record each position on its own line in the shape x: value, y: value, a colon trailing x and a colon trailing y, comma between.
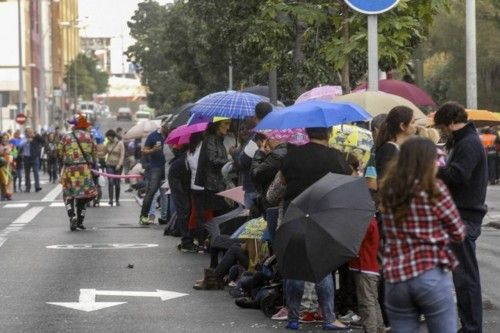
x: 97, y: 274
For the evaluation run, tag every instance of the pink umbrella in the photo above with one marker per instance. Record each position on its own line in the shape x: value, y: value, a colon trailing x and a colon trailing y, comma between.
x: 182, y: 134
x: 236, y: 194
x: 403, y: 89
x: 322, y: 93
x: 297, y: 136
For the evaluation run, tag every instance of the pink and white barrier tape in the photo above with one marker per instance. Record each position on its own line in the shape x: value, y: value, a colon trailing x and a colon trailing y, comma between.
x: 110, y: 175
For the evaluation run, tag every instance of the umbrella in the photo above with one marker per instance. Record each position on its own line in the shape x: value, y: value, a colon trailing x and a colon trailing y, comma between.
x: 377, y: 102
x: 322, y: 93
x: 296, y: 136
x: 181, y: 115
x: 323, y: 227
x: 231, y: 104
x: 221, y: 227
x: 257, y: 90
x: 403, y: 89
x: 236, y: 194
x: 253, y: 229
x: 142, y: 129
x: 352, y: 139
x: 182, y: 134
x: 313, y: 114
x: 483, y: 118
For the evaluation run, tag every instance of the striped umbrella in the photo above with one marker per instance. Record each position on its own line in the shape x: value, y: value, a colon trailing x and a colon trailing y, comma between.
x: 230, y: 104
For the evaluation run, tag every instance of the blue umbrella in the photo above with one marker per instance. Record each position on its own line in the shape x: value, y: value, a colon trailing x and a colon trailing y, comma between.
x: 313, y: 114
x: 230, y: 104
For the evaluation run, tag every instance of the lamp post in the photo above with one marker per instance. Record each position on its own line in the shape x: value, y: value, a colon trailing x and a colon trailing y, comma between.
x: 20, y: 42
x: 73, y: 24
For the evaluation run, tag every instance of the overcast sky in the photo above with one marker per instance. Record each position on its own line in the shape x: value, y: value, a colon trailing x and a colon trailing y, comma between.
x: 108, y: 18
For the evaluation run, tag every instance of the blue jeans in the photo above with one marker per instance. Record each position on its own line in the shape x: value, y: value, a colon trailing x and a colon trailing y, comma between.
x: 31, y: 164
x: 248, y: 199
x: 324, y: 290
x: 156, y: 177
x: 430, y: 294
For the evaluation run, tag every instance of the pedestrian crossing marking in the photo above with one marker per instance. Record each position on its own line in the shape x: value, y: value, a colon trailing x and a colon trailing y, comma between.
x: 57, y: 204
x: 16, y: 205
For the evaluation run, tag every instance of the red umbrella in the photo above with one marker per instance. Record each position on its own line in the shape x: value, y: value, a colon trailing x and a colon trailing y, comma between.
x: 403, y: 89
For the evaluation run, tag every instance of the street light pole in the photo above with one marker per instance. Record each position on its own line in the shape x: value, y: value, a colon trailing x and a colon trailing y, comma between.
x: 21, y: 74
x: 42, y: 112
x: 471, y: 55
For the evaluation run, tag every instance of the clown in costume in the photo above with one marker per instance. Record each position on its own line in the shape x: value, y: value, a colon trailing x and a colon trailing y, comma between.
x: 77, y: 153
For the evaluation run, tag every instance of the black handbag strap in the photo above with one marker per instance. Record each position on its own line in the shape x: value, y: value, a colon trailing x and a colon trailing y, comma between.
x: 83, y: 153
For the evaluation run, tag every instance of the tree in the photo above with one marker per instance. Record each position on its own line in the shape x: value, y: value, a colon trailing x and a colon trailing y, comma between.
x: 445, y: 54
x: 183, y: 49
x: 84, y: 79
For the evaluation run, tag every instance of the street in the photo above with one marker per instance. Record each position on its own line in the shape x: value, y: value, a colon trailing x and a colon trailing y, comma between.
x: 117, y: 276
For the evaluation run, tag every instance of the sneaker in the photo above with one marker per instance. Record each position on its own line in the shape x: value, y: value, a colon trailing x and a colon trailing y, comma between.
x: 189, y: 248
x: 310, y: 317
x: 336, y: 327
x: 81, y: 226
x: 162, y: 221
x: 152, y: 218
x: 144, y: 220
x: 202, y: 249
x: 350, y: 318
x: 293, y: 325
x: 281, y: 315
x: 307, y: 317
x: 72, y: 223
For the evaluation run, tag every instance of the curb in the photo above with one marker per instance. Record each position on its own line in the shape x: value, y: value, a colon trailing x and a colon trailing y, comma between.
x: 493, y: 224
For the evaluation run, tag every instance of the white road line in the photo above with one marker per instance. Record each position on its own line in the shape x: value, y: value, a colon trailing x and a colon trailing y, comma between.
x: 28, y: 215
x: 16, y: 205
x: 2, y: 240
x: 52, y: 195
x: 57, y: 204
x: 38, y: 201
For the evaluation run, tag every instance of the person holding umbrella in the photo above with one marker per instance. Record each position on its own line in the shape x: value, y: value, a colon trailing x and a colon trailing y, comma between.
x: 420, y: 219
x: 302, y: 167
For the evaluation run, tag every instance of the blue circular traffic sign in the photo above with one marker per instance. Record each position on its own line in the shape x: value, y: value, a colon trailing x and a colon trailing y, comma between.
x: 372, y: 7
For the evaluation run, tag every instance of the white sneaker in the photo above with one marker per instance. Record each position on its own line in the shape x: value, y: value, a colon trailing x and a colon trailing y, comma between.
x: 350, y: 318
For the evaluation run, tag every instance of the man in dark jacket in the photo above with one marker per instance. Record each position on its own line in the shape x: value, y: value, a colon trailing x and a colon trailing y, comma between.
x: 31, y: 149
x: 466, y: 175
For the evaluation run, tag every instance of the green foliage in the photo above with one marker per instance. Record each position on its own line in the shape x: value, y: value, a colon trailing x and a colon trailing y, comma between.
x: 183, y: 50
x: 446, y: 78
x: 84, y: 79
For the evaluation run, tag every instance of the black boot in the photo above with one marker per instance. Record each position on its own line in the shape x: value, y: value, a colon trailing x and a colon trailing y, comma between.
x: 117, y: 195
x: 110, y: 194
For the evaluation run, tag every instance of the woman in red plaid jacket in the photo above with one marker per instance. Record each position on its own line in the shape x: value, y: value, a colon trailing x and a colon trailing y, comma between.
x: 420, y: 219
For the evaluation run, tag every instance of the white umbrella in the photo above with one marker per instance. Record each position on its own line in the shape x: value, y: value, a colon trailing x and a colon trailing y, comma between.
x: 142, y: 129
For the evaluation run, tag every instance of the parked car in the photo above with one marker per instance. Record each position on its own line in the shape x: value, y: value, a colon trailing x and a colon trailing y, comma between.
x: 124, y: 113
x: 143, y: 116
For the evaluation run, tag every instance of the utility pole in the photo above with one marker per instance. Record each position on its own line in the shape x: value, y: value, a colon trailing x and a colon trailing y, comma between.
x: 21, y: 74
x: 41, y: 95
x: 471, y: 55
x: 273, y: 87
x: 230, y: 73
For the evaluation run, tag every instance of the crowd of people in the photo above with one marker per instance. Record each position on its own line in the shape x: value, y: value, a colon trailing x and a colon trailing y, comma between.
x: 428, y: 186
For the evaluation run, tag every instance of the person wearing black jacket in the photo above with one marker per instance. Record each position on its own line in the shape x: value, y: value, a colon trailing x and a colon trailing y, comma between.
x: 466, y: 175
x: 31, y: 149
x: 301, y: 168
x: 265, y: 165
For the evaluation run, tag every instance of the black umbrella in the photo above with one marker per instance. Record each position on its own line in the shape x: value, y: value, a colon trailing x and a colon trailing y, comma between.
x: 221, y: 227
x: 323, y: 227
x: 181, y: 115
x: 257, y: 90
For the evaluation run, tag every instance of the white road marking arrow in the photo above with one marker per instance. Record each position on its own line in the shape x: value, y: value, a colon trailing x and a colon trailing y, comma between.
x: 87, y: 300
